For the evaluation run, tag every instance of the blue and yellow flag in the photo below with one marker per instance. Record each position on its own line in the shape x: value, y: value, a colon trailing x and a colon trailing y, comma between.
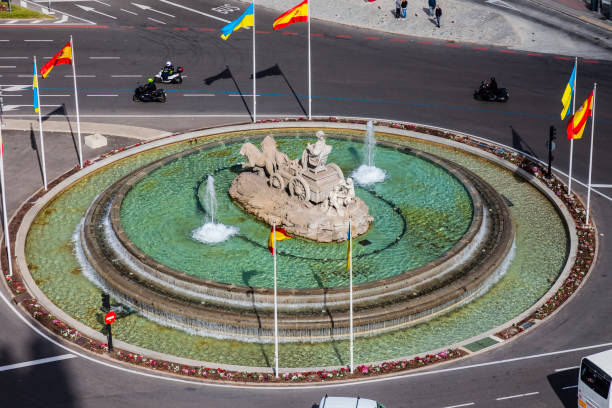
x: 35, y: 90
x: 349, y: 245
x: 245, y: 20
x: 566, y: 99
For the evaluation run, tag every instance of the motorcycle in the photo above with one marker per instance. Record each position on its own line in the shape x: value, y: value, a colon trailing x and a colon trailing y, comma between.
x: 485, y: 93
x: 142, y: 95
x: 174, y: 78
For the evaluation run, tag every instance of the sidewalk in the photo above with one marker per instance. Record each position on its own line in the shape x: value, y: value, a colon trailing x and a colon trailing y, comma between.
x: 504, y: 23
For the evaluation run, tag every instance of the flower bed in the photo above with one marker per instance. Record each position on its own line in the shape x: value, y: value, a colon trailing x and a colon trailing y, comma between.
x: 582, y: 265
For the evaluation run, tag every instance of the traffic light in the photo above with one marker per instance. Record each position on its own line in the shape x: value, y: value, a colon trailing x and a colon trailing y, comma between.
x: 553, y: 133
x: 105, y: 302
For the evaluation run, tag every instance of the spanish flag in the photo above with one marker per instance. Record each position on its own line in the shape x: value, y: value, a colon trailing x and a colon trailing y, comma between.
x: 245, y: 20
x: 278, y: 234
x: 62, y: 57
x: 577, y: 123
x: 298, y: 14
x: 566, y: 99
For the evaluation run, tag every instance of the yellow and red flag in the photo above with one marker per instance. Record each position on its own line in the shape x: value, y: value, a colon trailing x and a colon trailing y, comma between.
x: 62, y: 57
x: 278, y: 234
x: 577, y: 123
x: 298, y: 14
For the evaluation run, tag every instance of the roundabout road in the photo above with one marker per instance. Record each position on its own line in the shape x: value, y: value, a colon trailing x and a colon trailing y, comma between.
x: 389, y: 77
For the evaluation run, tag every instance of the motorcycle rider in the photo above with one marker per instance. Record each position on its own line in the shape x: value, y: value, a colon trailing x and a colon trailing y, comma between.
x: 150, y: 87
x: 167, y: 70
x: 492, y: 85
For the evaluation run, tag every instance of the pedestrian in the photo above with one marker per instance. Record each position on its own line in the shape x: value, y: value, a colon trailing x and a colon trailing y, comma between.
x: 438, y: 15
x: 432, y: 8
x: 398, y: 8
x: 404, y: 8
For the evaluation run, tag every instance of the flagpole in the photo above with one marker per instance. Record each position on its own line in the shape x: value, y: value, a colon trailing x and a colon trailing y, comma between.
x: 351, y: 292
x: 76, y: 101
x: 4, y: 210
x: 569, y: 186
x: 591, y: 156
x: 254, y: 87
x: 309, y: 70
x: 275, y: 304
x: 42, y: 140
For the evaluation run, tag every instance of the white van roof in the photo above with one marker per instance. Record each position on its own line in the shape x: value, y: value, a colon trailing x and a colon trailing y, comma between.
x: 346, y: 402
x: 602, y: 360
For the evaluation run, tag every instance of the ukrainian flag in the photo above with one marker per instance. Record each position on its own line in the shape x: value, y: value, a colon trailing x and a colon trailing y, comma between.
x: 245, y: 20
x: 35, y: 90
x: 566, y: 99
x: 349, y: 247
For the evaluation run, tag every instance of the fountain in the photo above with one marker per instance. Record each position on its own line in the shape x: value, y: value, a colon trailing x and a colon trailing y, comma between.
x: 441, y: 237
x: 368, y: 173
x: 212, y: 232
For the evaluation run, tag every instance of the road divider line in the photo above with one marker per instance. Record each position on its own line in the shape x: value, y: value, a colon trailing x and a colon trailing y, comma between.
x: 128, y: 11
x: 38, y: 40
x: 591, y: 61
x: 36, y: 362
x: 157, y: 21
x: 317, y: 35
x: 207, y: 29
x: 569, y: 387
x: 126, y: 76
x: 557, y: 370
x: 398, y: 40
x: 198, y: 94
x: 127, y: 27
x: 6, y: 96
x: 452, y: 45
x: 104, y: 57
x: 559, y: 57
x: 175, y: 4
x: 343, y: 36
x: 242, y: 95
x: 5, y: 40
x: 14, y: 57
x: 426, y: 42
x: 460, y: 405
x: 517, y: 396
x: 479, y: 48
x: 8, y: 66
x: 534, y: 54
x: 101, y: 95
x: 78, y: 76
x: 371, y: 38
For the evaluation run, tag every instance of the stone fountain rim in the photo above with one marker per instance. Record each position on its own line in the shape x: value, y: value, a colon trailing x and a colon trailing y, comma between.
x: 33, y: 211
x: 120, y: 188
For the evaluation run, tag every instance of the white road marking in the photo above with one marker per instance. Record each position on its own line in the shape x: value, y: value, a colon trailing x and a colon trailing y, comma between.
x: 38, y: 40
x: 602, y: 185
x: 152, y: 9
x: 100, y: 95
x: 80, y: 76
x: 243, y: 95
x: 13, y: 107
x: 569, y: 386
x: 35, y: 22
x: 36, y: 362
x: 194, y: 10
x: 27, y: 76
x: 54, y: 95
x: 198, y: 94
x: 126, y: 76
x: 95, y: 11
x: 8, y: 66
x: 517, y: 396
x: 460, y: 405
x: 104, y: 57
x: 566, y: 369
x: 6, y: 96
x: 101, y: 2
x: 5, y: 40
x: 16, y: 88
x: 11, y: 21
x: 62, y: 20
x: 128, y: 11
x: 14, y: 57
x: 157, y: 21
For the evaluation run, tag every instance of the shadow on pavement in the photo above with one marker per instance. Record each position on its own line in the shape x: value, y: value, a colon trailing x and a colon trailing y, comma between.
x: 45, y: 385
x: 227, y: 74
x: 564, y: 385
x: 520, y: 144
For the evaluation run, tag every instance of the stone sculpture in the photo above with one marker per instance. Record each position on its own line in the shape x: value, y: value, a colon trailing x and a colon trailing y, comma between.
x: 308, y: 196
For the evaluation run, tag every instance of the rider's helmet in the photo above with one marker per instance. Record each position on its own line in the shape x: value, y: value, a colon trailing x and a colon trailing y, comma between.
x: 150, y: 80
x: 168, y: 63
x: 492, y: 79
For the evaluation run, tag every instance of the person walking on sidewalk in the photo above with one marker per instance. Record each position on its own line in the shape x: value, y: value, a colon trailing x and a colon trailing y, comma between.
x: 432, y: 8
x: 438, y: 15
x: 404, y: 8
x: 398, y: 8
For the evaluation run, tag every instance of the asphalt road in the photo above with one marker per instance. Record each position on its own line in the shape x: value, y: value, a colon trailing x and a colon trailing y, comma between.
x: 355, y: 73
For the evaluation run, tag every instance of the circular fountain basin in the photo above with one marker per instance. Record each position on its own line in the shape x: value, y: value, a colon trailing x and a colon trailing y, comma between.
x: 542, y: 245
x: 230, y: 310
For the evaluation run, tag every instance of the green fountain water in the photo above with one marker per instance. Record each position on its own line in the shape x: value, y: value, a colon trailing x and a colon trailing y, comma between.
x: 540, y: 254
